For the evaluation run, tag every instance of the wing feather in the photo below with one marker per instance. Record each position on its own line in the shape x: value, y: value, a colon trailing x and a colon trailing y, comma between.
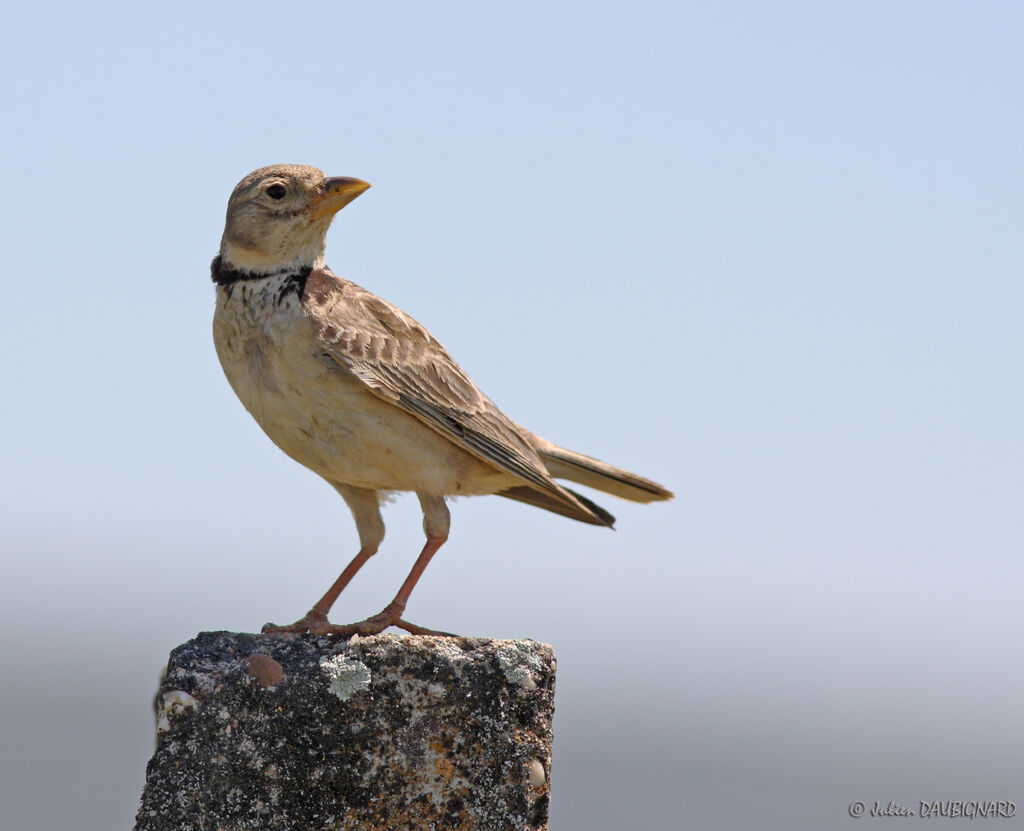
x: 403, y: 363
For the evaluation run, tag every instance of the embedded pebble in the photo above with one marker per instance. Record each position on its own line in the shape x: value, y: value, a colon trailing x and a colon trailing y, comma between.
x: 173, y: 703
x: 264, y: 670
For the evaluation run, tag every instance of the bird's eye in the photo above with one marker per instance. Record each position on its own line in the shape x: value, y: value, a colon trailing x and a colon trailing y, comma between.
x: 276, y: 191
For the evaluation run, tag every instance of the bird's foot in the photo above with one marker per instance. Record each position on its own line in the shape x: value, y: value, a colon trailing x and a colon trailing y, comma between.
x: 316, y: 623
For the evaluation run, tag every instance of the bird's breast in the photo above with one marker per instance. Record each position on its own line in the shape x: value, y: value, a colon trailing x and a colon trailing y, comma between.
x: 319, y: 413
x: 255, y: 325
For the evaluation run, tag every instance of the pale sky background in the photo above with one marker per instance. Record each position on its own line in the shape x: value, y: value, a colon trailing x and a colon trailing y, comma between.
x: 767, y: 254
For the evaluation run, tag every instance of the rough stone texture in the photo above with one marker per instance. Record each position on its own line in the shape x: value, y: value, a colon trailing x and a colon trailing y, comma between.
x: 382, y: 732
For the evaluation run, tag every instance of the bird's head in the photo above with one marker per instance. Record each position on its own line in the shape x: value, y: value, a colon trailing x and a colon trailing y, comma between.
x: 278, y: 217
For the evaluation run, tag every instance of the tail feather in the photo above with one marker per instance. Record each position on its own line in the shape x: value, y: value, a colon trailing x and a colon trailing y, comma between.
x: 592, y: 514
x: 567, y: 464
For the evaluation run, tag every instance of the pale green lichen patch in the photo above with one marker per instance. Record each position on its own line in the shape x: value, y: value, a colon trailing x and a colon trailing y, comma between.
x: 345, y: 676
x: 519, y: 664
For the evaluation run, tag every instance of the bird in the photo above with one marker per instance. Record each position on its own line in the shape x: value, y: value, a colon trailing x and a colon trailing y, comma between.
x: 356, y: 390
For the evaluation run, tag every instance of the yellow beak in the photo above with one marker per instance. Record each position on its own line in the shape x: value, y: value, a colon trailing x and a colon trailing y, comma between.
x: 335, y: 194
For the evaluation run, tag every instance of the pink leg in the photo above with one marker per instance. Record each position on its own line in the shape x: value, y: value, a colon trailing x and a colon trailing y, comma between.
x: 435, y: 522
x: 315, y: 620
x: 323, y: 605
x: 393, y: 611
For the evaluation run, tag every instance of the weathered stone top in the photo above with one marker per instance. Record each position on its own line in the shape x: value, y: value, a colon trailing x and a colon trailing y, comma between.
x: 383, y: 732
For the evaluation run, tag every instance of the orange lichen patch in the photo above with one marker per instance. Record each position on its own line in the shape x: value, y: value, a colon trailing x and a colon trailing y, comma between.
x: 437, y: 746
x: 444, y: 768
x: 425, y: 813
x: 264, y: 670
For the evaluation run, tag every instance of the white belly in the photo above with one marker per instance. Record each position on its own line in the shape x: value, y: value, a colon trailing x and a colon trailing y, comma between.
x: 323, y: 417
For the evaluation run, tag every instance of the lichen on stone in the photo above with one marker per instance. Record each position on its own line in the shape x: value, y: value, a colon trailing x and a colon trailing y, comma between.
x: 347, y: 676
x: 519, y: 664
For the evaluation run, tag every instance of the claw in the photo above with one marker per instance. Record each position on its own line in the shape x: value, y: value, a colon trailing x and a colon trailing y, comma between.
x: 412, y: 628
x: 313, y: 622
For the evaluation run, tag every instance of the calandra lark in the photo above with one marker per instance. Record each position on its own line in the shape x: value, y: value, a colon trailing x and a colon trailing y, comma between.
x: 360, y: 393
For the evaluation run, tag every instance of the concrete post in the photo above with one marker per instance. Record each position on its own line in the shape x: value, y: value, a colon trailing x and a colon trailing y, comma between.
x: 310, y: 733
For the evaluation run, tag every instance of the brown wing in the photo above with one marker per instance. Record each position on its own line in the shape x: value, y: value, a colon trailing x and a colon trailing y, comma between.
x: 402, y: 362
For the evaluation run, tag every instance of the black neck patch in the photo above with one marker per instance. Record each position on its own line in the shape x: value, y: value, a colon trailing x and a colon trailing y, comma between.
x: 229, y: 277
